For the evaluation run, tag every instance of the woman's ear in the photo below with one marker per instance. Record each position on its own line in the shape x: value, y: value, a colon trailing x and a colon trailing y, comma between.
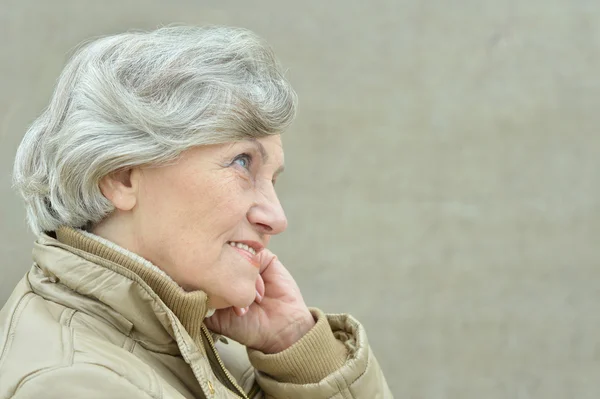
x: 121, y: 188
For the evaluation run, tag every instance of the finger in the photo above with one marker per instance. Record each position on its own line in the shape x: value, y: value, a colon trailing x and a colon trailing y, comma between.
x: 266, y: 259
x: 240, y: 311
x: 260, y: 289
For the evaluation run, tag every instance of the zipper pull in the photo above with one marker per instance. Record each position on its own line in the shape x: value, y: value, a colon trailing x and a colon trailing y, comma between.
x: 211, y: 388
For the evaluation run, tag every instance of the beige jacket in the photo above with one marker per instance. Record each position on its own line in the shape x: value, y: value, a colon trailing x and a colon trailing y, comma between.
x: 88, y: 321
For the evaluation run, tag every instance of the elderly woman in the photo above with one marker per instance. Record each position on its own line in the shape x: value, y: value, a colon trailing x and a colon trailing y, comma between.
x: 150, y: 181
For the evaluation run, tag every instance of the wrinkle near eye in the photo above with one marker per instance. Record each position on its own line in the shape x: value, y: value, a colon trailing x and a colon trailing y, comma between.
x: 243, y: 176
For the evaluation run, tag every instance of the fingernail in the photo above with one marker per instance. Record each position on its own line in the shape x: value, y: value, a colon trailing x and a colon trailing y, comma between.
x: 258, y: 297
x: 242, y: 311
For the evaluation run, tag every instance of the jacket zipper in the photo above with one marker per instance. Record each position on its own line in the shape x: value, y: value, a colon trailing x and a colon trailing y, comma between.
x: 255, y: 389
x: 225, y: 372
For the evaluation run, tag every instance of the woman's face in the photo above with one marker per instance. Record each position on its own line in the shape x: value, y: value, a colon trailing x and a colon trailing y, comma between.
x: 189, y: 213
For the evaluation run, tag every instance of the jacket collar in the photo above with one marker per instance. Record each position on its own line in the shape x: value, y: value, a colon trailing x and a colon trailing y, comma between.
x: 133, y: 297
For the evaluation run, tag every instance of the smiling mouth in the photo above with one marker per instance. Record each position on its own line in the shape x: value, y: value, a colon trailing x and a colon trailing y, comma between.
x: 244, y: 247
x: 247, y: 252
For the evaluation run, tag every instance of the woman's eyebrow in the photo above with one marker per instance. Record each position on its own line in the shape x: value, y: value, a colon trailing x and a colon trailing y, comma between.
x: 265, y: 156
x: 261, y: 149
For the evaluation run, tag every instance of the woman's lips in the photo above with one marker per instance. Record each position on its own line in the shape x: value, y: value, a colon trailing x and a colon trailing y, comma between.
x: 249, y: 250
x: 253, y: 259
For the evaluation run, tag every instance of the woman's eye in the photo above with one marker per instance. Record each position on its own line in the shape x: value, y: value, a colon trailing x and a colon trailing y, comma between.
x: 244, y: 160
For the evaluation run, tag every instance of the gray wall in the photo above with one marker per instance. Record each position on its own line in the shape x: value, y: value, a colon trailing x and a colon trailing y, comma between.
x: 442, y: 181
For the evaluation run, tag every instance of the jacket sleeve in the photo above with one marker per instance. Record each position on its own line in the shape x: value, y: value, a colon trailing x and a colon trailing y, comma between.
x: 79, y: 381
x: 333, y: 360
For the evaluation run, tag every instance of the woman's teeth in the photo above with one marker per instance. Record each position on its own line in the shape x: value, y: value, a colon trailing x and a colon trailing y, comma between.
x: 242, y: 246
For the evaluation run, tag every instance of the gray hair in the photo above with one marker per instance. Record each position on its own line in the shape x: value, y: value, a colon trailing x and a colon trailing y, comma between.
x: 142, y: 98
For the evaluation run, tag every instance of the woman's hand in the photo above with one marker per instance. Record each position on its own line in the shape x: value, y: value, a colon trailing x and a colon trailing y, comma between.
x: 276, y: 319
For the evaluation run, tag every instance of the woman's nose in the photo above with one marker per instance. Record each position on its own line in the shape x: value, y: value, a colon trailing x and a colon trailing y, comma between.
x: 267, y: 215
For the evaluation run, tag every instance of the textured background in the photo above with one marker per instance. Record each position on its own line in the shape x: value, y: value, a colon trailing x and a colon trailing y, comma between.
x: 442, y: 179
